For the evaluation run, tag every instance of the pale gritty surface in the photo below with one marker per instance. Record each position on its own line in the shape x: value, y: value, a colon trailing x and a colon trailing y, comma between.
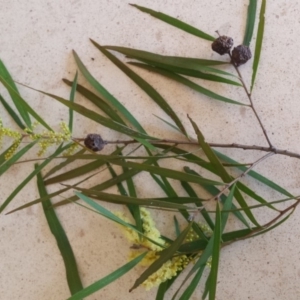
x: 36, y: 42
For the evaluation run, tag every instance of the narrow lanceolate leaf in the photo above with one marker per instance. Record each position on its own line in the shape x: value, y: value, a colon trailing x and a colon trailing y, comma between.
x: 165, y: 255
x: 79, y: 171
x: 192, y: 71
x: 134, y: 209
x: 106, y: 95
x: 8, y: 163
x: 168, y: 123
x: 98, y: 285
x: 227, y: 206
x: 259, y: 40
x: 72, y: 99
x: 97, y: 208
x: 63, y: 164
x: 13, y: 91
x: 120, y: 199
x: 26, y: 107
x: 145, y: 86
x: 213, y: 276
x: 250, y: 22
x: 188, y: 83
x: 256, y: 175
x: 214, y: 191
x: 177, y: 227
x: 63, y: 243
x: 96, y: 100
x: 12, y: 113
x: 193, y: 67
x: 206, y: 254
x: 175, y: 22
x: 172, y: 61
x: 102, y: 120
x: 221, y: 171
x: 30, y: 176
x: 193, y: 285
x: 169, y: 173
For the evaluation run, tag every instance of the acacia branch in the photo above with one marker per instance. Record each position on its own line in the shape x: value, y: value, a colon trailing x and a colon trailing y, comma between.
x: 251, y: 102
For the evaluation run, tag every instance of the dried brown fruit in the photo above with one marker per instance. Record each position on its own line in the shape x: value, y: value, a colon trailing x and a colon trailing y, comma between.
x: 94, y: 142
x: 222, y: 44
x: 240, y: 55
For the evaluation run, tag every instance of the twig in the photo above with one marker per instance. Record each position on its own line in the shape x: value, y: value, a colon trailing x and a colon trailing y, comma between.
x: 251, y: 102
x: 267, y: 225
x: 215, y: 145
x: 230, y: 184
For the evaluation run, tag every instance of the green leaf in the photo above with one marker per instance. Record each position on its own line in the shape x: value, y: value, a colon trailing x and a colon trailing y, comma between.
x: 12, y: 113
x: 79, y: 171
x: 134, y: 209
x: 175, y: 61
x: 259, y: 40
x: 164, y: 286
x: 206, y: 254
x: 72, y: 99
x: 63, y: 164
x: 106, y: 95
x: 120, y: 199
x: 175, y: 22
x: 187, y: 187
x: 165, y: 255
x: 145, y: 86
x: 177, y: 227
x: 221, y: 171
x: 25, y: 107
x: 193, y: 67
x: 214, y: 191
x: 250, y: 22
x: 41, y: 199
x: 104, y: 121
x: 168, y: 123
x: 169, y: 173
x: 109, y: 215
x: 101, y: 104
x: 193, y: 285
x: 188, y: 83
x: 213, y: 276
x: 226, y: 207
x: 63, y: 243
x: 193, y: 71
x: 256, y: 175
x: 8, y: 163
x: 9, y: 83
x: 30, y: 176
x: 98, y: 285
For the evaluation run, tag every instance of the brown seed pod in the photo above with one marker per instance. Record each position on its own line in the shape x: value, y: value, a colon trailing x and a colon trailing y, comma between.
x: 222, y: 44
x: 241, y: 54
x: 94, y: 142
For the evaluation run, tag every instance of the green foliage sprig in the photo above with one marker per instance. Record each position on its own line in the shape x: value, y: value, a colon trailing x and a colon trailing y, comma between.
x: 205, y: 232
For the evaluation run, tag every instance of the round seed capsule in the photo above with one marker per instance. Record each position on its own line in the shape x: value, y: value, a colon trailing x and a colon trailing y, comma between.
x: 241, y: 54
x: 222, y: 44
x: 94, y: 142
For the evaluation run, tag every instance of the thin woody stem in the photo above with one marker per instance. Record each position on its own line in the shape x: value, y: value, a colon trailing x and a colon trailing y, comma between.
x: 215, y: 145
x: 251, y: 102
x: 230, y: 184
x: 267, y: 225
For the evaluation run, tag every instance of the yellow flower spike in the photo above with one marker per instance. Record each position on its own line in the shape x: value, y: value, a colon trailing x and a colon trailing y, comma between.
x: 13, y: 149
